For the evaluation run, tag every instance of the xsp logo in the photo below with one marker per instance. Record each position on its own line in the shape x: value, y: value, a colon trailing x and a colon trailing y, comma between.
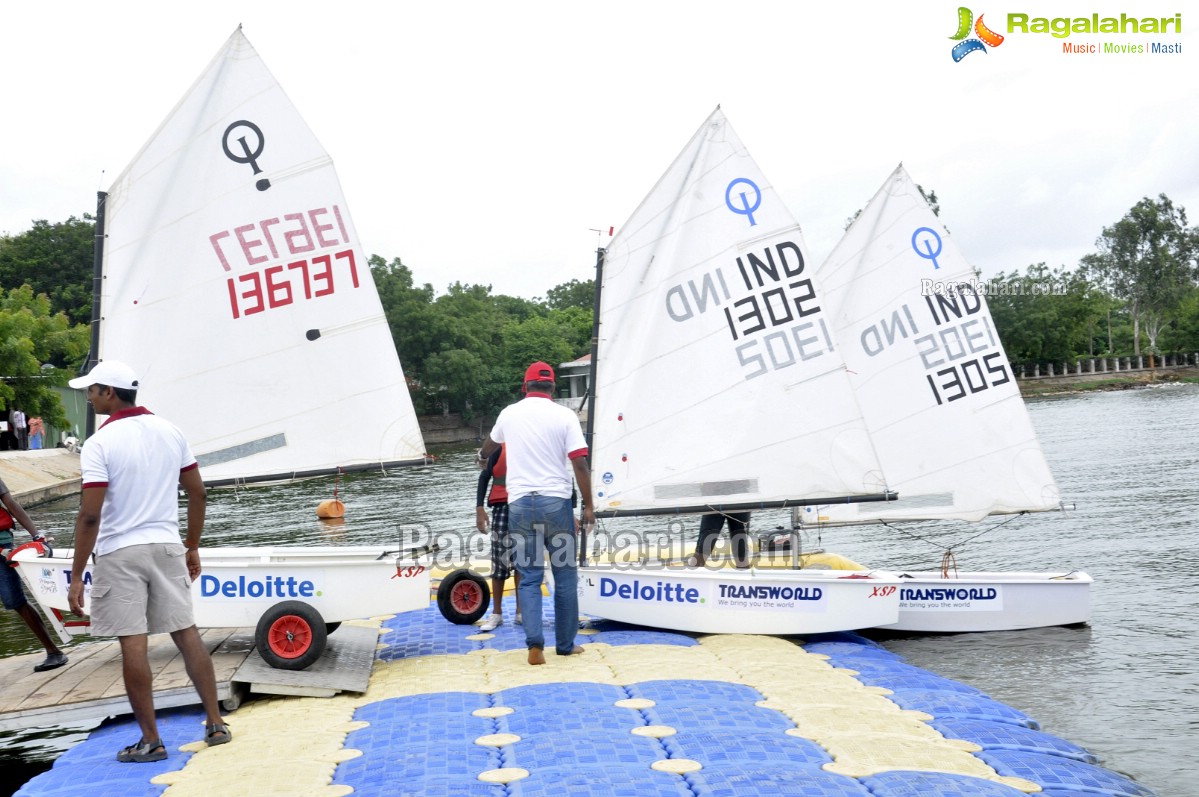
x: 882, y: 592
x: 408, y: 572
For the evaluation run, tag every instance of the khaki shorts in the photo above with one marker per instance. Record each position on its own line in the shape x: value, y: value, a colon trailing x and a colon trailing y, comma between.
x: 141, y: 589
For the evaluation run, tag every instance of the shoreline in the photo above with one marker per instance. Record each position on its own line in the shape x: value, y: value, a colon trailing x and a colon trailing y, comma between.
x: 1036, y: 387
x: 44, y: 475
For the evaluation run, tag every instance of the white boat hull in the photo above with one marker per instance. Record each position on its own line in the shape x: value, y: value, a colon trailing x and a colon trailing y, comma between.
x: 991, y: 601
x: 724, y: 601
x: 238, y: 585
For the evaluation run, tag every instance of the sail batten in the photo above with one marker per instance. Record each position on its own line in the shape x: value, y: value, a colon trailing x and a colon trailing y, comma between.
x: 235, y: 284
x: 717, y: 364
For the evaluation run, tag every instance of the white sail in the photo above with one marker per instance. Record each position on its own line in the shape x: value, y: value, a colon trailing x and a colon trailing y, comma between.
x: 717, y: 380
x: 235, y: 284
x: 928, y: 370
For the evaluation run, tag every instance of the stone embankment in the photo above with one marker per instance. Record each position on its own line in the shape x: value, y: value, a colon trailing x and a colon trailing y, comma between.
x: 1105, y: 380
x: 36, y: 477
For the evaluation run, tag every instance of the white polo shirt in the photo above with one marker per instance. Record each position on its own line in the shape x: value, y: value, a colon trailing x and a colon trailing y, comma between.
x: 541, y: 438
x: 139, y: 458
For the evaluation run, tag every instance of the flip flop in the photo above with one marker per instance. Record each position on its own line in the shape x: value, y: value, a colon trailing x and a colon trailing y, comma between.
x: 217, y: 733
x: 53, y: 662
x: 143, y: 752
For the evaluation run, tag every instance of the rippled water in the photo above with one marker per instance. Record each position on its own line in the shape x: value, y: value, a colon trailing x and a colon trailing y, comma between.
x: 1127, y: 686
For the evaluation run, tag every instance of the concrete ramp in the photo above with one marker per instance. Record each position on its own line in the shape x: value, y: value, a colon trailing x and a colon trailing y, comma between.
x: 35, y: 477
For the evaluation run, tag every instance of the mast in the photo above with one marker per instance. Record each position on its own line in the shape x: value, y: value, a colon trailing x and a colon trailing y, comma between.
x: 93, y: 355
x: 595, y: 325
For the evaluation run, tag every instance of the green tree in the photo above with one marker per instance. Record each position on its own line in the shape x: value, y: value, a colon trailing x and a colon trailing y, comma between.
x: 1147, y: 260
x: 1046, y: 314
x: 1182, y: 335
x: 466, y: 350
x: 534, y: 339
x: 575, y: 324
x: 571, y: 294
x: 54, y: 259
x: 454, y: 378
x: 415, y: 326
x: 38, y: 349
x: 472, y: 319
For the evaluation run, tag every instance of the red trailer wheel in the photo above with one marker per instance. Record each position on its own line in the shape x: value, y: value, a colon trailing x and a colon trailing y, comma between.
x: 463, y: 597
x: 291, y: 635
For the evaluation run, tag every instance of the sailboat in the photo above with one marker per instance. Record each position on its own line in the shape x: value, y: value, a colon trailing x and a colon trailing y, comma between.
x: 716, y: 387
x: 943, y: 411
x: 233, y: 281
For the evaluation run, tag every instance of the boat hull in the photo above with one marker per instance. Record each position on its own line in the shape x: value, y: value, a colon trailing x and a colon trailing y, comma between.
x: 991, y: 601
x: 723, y: 601
x: 238, y: 585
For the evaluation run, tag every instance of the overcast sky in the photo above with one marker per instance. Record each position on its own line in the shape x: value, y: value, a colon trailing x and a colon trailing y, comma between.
x: 482, y: 142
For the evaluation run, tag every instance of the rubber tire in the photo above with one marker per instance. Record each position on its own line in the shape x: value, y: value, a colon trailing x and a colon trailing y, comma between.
x: 298, y: 632
x: 463, y: 597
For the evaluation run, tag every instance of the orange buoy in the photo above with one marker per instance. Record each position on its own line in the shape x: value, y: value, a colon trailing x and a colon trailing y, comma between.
x: 330, y: 509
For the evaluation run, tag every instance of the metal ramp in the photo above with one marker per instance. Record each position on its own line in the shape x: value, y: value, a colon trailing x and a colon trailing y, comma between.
x: 90, y: 686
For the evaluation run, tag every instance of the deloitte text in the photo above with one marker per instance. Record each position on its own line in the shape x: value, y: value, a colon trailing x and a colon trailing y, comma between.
x: 269, y: 587
x: 1062, y: 27
x: 657, y: 592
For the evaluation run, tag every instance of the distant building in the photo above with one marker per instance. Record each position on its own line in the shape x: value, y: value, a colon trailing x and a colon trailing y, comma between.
x: 574, y: 383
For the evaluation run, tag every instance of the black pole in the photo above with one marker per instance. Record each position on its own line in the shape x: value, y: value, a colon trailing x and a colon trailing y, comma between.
x: 93, y: 356
x: 595, y: 325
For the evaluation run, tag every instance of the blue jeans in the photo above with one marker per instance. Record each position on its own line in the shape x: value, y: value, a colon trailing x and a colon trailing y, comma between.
x: 540, y: 524
x: 11, y: 593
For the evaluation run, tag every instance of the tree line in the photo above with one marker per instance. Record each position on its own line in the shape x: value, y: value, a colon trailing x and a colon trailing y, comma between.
x: 465, y: 350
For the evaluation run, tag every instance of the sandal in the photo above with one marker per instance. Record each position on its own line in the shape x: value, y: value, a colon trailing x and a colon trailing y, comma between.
x: 143, y: 752
x: 217, y: 733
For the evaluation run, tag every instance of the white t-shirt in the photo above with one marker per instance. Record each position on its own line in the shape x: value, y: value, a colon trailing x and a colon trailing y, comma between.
x: 541, y: 438
x: 138, y: 457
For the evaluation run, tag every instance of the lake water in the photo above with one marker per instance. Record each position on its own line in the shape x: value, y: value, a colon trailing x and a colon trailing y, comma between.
x: 1126, y: 687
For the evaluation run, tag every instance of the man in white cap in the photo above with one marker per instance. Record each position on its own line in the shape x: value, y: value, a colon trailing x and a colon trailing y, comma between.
x: 543, y: 443
x: 133, y: 467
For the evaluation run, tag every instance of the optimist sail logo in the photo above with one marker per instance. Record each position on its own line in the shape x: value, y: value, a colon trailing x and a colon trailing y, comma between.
x: 983, y: 36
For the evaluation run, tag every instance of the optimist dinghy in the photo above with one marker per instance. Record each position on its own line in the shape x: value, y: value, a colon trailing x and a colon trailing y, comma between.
x: 716, y: 387
x: 943, y: 412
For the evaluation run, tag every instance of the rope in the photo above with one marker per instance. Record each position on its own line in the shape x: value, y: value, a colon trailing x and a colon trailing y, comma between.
x: 948, y: 561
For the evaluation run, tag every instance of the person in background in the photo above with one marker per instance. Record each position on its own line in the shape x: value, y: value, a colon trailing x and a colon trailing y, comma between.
x: 133, y: 468
x: 37, y: 433
x: 544, y: 444
x: 11, y: 592
x: 20, y: 428
x: 709, y: 529
x: 495, y: 470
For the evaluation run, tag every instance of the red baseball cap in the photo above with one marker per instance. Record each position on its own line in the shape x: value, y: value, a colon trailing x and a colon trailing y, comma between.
x: 539, y: 372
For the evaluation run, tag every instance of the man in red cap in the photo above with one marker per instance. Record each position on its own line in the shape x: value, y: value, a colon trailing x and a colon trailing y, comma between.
x: 543, y: 444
